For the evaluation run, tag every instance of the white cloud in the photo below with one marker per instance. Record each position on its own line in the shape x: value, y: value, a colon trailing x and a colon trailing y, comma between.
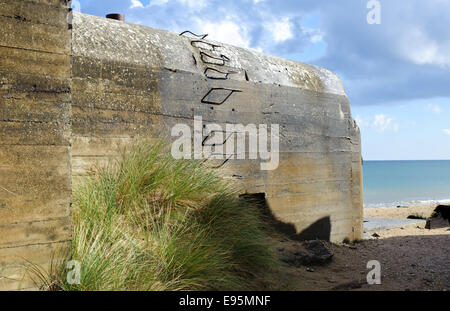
x: 382, y: 123
x: 433, y: 108
x: 446, y: 132
x: 258, y: 49
x: 225, y: 31
x: 76, y: 5
x: 426, y: 50
x: 194, y: 4
x: 316, y: 38
x: 157, y: 2
x: 136, y: 4
x: 281, y: 30
x: 315, y: 34
x: 361, y: 122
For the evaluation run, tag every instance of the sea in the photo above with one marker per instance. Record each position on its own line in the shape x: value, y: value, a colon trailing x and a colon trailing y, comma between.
x: 405, y: 183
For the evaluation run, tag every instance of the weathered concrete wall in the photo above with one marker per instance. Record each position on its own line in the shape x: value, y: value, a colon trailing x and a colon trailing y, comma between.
x: 35, y: 135
x: 60, y: 114
x: 130, y: 80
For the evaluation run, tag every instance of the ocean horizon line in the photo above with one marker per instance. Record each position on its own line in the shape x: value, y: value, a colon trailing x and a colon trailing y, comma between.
x: 403, y: 203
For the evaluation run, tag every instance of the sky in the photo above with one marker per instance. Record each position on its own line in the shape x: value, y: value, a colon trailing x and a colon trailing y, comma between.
x: 396, y: 73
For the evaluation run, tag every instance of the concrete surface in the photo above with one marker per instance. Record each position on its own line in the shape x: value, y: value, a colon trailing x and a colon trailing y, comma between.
x: 72, y: 95
x: 130, y: 80
x: 35, y: 135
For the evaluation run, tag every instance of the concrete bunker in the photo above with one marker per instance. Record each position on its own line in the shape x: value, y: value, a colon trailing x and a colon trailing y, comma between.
x: 131, y: 80
x: 72, y: 94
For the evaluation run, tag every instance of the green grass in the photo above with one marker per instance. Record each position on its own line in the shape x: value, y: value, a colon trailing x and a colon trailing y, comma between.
x: 149, y: 222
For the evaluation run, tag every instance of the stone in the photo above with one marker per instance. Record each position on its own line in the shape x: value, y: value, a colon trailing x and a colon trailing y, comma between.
x: 314, y: 253
x: 443, y: 211
x: 415, y: 217
x: 436, y: 223
x: 440, y: 218
x: 355, y: 284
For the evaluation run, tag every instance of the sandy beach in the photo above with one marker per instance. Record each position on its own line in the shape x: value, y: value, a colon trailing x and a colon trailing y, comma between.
x: 412, y: 258
x: 403, y: 212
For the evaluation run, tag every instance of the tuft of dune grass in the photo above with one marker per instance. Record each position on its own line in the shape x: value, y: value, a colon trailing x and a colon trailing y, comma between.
x: 149, y: 222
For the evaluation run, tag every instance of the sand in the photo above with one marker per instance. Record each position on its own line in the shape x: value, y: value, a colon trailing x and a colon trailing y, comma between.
x: 411, y: 259
x: 403, y: 212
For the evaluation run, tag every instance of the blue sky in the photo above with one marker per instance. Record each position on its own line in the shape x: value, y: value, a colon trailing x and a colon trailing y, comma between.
x: 396, y: 74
